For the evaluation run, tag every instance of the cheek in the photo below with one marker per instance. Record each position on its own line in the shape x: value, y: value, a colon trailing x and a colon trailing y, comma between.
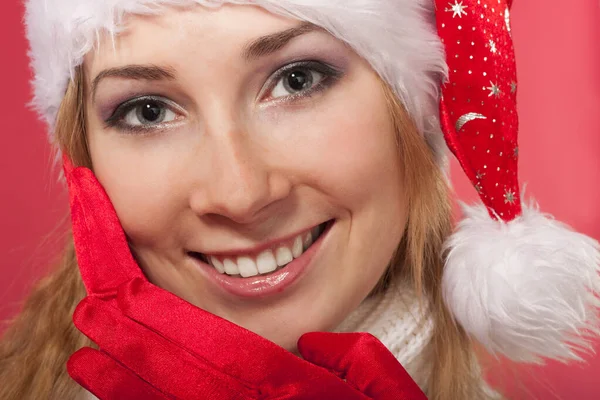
x: 348, y: 149
x: 142, y: 184
x: 359, y: 153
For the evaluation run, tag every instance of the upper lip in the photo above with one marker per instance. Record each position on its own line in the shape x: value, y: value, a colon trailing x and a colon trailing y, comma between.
x: 256, y: 249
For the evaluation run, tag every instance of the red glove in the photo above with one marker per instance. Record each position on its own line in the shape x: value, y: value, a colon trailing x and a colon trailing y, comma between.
x: 154, y: 345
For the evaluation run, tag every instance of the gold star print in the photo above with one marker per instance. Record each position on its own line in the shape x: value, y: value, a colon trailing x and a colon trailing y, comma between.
x: 493, y: 48
x: 457, y: 9
x: 516, y: 152
x: 513, y: 87
x: 479, y: 175
x: 509, y: 197
x: 478, y: 188
x: 494, y: 90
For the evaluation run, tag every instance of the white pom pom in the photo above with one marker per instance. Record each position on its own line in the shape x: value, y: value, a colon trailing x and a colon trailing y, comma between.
x: 527, y: 289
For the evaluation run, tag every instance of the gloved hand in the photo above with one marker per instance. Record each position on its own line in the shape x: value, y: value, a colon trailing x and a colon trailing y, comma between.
x: 154, y: 345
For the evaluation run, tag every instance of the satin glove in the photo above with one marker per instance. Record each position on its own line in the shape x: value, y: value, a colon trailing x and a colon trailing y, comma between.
x: 154, y: 345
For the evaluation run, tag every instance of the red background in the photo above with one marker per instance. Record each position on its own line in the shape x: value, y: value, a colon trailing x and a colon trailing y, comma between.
x: 559, y: 98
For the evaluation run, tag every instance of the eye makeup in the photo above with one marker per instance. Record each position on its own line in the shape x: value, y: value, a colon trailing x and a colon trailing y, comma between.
x: 328, y: 76
x: 117, y: 119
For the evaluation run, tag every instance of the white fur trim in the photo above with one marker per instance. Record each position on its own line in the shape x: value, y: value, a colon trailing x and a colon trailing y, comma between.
x: 398, y: 38
x: 527, y: 289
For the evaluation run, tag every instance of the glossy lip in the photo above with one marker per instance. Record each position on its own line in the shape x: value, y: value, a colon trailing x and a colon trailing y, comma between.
x: 264, y: 285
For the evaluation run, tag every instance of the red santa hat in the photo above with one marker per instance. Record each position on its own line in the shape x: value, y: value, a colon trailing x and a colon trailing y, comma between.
x: 521, y: 283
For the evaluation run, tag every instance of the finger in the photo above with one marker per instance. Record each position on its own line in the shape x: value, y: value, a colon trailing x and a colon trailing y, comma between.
x: 200, y: 331
x: 107, y: 379
x: 229, y: 347
x: 104, y: 258
x: 203, y: 333
x: 363, y: 361
x: 168, y: 367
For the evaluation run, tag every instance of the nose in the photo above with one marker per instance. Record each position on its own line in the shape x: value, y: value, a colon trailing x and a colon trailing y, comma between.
x: 241, y: 182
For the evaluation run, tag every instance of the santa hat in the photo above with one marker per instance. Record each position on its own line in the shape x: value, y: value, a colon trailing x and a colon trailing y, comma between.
x: 521, y: 283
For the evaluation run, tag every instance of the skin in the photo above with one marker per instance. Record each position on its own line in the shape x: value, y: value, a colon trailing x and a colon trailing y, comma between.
x: 236, y: 163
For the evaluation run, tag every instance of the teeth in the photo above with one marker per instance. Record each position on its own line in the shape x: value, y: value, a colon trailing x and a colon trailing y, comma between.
x: 283, y: 255
x: 297, y: 248
x: 269, y: 260
x: 266, y: 262
x: 247, y: 267
x: 308, y: 240
x: 231, y: 268
x: 218, y: 265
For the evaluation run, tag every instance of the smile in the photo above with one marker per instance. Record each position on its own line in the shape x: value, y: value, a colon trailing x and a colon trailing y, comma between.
x: 266, y: 261
x: 265, y: 270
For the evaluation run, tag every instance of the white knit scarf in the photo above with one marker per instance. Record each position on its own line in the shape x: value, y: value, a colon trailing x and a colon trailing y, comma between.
x: 401, y: 323
x: 405, y: 327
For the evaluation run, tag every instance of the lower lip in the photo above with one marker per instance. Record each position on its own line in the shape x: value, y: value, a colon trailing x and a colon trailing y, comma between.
x: 265, y: 285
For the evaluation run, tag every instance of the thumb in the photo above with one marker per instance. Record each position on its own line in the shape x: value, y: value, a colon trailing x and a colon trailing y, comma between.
x: 363, y: 361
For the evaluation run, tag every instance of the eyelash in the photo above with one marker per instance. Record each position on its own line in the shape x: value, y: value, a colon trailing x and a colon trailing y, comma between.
x: 330, y: 76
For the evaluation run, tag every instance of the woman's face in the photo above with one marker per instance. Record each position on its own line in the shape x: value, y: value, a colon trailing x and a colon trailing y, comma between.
x: 228, y: 140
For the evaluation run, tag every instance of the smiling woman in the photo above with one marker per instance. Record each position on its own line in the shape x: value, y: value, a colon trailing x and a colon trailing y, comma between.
x: 235, y: 161
x: 242, y: 177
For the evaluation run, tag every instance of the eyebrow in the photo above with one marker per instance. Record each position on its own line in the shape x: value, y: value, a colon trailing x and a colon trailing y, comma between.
x: 260, y: 47
x: 272, y: 43
x: 135, y: 72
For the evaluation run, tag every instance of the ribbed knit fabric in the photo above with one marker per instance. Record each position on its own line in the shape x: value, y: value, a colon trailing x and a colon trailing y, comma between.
x: 404, y: 326
x: 401, y: 323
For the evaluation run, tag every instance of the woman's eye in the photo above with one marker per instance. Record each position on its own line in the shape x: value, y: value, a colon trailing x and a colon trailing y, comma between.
x: 148, y: 112
x: 295, y: 81
x: 143, y: 114
x: 301, y: 79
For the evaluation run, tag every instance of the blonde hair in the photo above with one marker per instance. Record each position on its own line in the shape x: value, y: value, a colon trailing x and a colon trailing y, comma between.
x: 35, y: 348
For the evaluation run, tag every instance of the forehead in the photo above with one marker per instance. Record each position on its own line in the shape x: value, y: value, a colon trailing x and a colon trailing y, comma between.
x: 180, y: 33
